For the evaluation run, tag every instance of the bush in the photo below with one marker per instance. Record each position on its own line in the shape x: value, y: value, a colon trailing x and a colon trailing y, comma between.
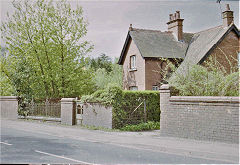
x: 125, y: 102
x: 200, y: 81
x: 142, y: 126
x: 209, y: 79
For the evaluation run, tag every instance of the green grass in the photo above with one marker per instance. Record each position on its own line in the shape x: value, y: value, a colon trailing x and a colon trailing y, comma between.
x: 99, y: 128
x: 142, y: 126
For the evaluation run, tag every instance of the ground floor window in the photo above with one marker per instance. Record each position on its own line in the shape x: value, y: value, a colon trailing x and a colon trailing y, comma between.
x: 155, y: 88
x: 133, y: 88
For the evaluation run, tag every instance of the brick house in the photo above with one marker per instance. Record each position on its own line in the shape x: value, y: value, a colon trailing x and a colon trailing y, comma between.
x: 144, y: 51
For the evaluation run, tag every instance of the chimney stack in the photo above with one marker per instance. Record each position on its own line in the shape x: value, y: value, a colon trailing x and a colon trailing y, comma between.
x: 227, y: 16
x: 175, y: 25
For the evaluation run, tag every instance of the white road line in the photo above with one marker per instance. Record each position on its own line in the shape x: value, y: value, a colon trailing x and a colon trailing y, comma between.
x: 62, y: 157
x: 6, y: 143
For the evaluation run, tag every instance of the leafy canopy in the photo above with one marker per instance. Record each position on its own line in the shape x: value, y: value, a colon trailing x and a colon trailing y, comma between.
x: 46, y: 50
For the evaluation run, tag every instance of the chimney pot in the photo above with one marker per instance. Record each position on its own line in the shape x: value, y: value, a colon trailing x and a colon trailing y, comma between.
x: 227, y: 7
x: 130, y: 27
x: 170, y: 17
x: 227, y: 16
x: 177, y: 14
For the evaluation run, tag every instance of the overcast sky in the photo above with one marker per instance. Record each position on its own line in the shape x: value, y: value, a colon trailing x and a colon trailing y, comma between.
x: 109, y: 20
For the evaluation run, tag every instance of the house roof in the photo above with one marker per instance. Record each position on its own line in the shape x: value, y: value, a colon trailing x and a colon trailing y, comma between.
x: 194, y: 48
x: 154, y: 43
x: 202, y: 43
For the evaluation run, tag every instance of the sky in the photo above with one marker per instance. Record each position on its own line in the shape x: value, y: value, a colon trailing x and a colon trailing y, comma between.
x: 109, y: 20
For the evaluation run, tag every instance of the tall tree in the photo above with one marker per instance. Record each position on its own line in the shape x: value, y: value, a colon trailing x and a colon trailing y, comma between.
x: 46, y: 49
x: 103, y: 62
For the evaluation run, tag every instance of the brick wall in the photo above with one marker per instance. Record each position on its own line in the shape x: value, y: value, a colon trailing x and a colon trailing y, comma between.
x: 153, y: 72
x: 226, y: 52
x: 199, y: 117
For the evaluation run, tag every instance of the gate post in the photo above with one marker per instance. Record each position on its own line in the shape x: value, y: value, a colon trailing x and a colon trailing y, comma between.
x: 68, y: 111
x: 164, y: 97
x: 164, y: 104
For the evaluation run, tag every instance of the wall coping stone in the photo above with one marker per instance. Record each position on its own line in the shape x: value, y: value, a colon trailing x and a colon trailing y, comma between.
x: 207, y: 99
x: 68, y: 99
x: 165, y: 87
x: 9, y: 98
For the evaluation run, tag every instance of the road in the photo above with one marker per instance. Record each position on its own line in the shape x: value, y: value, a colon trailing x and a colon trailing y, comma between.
x: 23, y: 142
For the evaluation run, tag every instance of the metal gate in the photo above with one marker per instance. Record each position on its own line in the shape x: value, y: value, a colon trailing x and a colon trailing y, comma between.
x: 79, y: 112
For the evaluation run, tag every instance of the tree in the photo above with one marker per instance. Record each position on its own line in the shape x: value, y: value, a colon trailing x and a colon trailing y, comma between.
x: 5, y: 84
x: 46, y: 49
x: 104, y: 79
x: 103, y: 62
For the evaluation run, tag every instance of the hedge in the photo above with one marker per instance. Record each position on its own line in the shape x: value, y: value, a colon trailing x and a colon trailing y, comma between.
x: 125, y: 102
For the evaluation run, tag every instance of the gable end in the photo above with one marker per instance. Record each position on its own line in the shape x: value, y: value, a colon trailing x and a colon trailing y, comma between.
x: 232, y: 28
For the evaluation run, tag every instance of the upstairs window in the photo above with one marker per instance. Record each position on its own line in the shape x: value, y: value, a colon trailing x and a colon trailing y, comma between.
x: 133, y: 62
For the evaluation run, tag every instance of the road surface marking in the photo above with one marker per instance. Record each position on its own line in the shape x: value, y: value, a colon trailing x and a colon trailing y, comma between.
x: 6, y: 143
x: 74, y: 160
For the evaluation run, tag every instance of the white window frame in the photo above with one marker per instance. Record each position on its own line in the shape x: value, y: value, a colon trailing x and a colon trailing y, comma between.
x: 155, y: 88
x: 133, y: 88
x: 133, y: 62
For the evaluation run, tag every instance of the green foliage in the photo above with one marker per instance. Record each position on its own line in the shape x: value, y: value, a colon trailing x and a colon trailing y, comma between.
x: 102, y: 62
x: 125, y: 102
x: 209, y: 79
x: 106, y: 72
x: 46, y: 53
x: 150, y: 125
x: 202, y: 81
x: 6, y: 86
x: 104, y: 79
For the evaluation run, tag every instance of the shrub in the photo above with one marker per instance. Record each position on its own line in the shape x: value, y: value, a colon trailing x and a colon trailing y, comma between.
x: 125, y: 102
x: 200, y: 81
x: 150, y: 125
x: 209, y: 79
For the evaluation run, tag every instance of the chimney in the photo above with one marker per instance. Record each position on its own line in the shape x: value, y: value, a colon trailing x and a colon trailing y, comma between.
x: 227, y: 16
x: 175, y: 25
x: 130, y: 27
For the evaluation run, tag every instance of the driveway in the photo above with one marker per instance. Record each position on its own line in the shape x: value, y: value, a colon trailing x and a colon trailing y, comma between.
x: 41, y: 142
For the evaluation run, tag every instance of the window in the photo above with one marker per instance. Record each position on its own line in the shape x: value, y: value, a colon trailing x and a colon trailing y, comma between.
x: 133, y: 88
x: 155, y: 88
x: 133, y: 62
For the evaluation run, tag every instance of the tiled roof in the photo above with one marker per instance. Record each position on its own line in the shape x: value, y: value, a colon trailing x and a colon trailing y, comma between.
x: 153, y: 43
x: 202, y: 43
x: 193, y: 48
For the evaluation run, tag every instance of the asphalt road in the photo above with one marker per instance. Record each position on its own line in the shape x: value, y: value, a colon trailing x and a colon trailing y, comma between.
x: 18, y: 146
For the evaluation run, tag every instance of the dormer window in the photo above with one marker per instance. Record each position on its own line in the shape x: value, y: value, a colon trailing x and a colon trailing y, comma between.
x: 133, y: 62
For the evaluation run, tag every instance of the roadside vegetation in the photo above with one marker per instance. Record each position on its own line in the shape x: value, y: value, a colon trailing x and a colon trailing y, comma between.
x: 44, y: 52
x: 128, y: 106
x: 150, y: 125
x: 212, y: 79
